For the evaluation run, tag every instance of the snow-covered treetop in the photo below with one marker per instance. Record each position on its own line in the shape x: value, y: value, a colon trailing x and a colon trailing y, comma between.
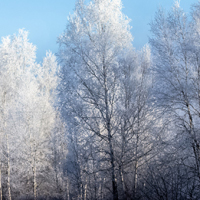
x: 18, y: 49
x: 100, y: 22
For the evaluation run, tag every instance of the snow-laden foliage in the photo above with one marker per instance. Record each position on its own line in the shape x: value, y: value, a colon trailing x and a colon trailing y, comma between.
x: 105, y: 86
x: 110, y: 122
x: 28, y: 119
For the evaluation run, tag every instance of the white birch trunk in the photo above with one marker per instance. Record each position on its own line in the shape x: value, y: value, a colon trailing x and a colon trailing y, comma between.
x: 67, y: 189
x: 135, y: 178
x: 85, y: 192
x: 34, y: 181
x: 34, y: 171
x: 8, y: 149
x: 8, y: 162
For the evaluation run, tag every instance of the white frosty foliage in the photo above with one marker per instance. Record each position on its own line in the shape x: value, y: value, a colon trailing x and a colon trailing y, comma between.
x: 28, y: 115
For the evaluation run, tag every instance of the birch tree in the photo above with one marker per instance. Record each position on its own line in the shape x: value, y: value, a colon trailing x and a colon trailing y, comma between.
x: 174, y: 46
x: 97, y: 92
x: 14, y: 59
x: 28, y: 112
x: 96, y: 34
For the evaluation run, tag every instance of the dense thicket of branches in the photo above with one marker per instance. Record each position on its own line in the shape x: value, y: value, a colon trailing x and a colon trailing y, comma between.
x: 110, y: 122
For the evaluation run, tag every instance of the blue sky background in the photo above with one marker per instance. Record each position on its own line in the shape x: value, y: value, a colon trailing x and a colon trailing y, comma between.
x: 46, y: 19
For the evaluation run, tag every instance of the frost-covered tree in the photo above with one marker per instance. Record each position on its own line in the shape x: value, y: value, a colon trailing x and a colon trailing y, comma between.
x: 135, y: 120
x: 16, y: 54
x: 28, y: 117
x: 102, y: 107
x: 96, y: 35
x: 176, y: 59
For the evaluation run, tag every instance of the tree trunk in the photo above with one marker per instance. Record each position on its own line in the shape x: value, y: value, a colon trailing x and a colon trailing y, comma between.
x: 67, y: 189
x: 108, y: 126
x: 85, y: 192
x: 8, y: 162
x: 114, y: 184
x: 0, y: 184
x: 95, y: 185
x: 122, y: 182
x: 135, y: 178
x: 102, y: 189
x: 34, y: 183
x: 34, y: 171
x: 8, y: 150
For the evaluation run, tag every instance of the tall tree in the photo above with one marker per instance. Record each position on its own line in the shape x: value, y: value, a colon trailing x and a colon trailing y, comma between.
x: 97, y: 33
x: 14, y: 60
x: 28, y: 117
x: 174, y: 46
x: 104, y: 93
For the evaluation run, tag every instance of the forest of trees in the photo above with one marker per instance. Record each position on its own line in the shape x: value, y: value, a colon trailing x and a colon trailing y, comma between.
x: 102, y: 120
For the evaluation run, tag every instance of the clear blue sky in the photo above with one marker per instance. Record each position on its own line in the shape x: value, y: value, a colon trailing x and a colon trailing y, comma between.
x: 46, y: 19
